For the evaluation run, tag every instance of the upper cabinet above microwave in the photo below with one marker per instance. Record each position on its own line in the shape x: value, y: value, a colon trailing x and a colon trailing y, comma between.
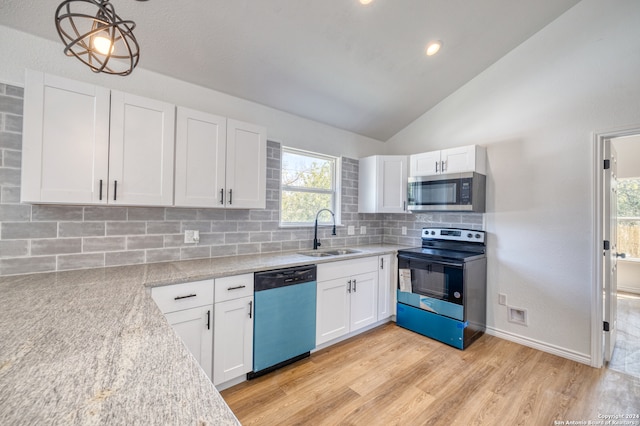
x: 470, y: 158
x: 85, y: 144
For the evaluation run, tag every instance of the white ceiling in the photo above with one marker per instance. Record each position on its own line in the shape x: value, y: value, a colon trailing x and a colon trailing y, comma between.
x: 359, y: 68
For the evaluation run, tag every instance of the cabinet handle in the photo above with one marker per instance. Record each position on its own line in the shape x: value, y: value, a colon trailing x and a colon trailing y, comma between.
x: 222, y: 196
x: 250, y: 308
x: 100, y: 198
x: 437, y: 166
x: 382, y: 263
x: 404, y: 206
x: 230, y: 196
x: 184, y: 297
x: 208, y: 320
x: 115, y: 190
x: 236, y: 287
x: 354, y: 286
x: 443, y: 166
x: 349, y: 287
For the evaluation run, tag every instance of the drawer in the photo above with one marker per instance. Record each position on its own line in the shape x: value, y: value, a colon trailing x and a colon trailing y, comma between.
x: 229, y: 288
x: 176, y: 297
x: 347, y: 268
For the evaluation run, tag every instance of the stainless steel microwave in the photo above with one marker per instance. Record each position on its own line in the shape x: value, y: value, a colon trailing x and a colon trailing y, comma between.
x: 455, y: 192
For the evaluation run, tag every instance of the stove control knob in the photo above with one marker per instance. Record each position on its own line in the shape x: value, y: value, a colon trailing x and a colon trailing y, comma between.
x: 469, y: 235
x: 456, y: 295
x: 477, y: 235
x: 433, y: 232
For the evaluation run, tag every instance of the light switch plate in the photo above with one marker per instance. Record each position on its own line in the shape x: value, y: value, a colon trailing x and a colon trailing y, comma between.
x: 363, y: 229
x: 404, y: 230
x: 351, y: 230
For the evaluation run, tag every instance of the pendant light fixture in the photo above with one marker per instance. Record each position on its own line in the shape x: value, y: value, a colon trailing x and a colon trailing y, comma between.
x: 93, y: 32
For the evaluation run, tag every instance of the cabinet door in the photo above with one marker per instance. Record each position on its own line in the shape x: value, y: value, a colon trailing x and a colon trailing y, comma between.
x: 458, y: 160
x: 200, y: 159
x: 425, y: 164
x: 385, y: 287
x: 141, y: 151
x: 392, y: 184
x: 246, y: 165
x: 332, y: 310
x: 364, y: 300
x: 233, y: 347
x: 66, y: 140
x: 194, y: 327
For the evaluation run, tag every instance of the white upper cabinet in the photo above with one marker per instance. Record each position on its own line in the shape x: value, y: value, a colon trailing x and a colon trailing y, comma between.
x: 219, y: 162
x: 85, y: 144
x: 201, y: 141
x: 141, y: 151
x: 382, y: 184
x: 246, y: 165
x: 470, y: 158
x: 66, y: 141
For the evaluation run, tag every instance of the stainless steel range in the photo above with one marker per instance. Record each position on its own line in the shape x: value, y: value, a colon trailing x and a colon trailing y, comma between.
x: 442, y: 286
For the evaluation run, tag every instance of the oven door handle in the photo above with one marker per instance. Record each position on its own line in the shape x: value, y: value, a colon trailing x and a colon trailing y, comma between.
x: 426, y: 260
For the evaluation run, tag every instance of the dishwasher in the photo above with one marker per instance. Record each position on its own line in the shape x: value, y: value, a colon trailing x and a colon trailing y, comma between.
x: 284, y: 325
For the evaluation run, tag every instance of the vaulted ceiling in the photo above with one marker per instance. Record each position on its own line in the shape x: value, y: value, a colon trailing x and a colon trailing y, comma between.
x: 355, y: 67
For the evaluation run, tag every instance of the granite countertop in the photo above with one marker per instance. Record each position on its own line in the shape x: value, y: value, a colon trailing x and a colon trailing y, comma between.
x: 91, y: 346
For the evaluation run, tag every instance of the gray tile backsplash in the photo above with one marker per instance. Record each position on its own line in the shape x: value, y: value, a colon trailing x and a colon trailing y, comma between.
x: 40, y: 238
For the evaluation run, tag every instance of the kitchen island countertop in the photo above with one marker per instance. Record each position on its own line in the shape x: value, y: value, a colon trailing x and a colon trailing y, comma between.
x: 91, y: 346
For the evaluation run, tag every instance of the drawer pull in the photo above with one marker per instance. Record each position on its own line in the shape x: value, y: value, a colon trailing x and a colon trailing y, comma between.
x: 208, y: 320
x: 250, y: 309
x: 238, y: 287
x: 184, y: 297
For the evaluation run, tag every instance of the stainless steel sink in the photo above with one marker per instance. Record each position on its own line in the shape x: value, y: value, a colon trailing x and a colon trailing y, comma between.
x: 325, y: 253
x: 338, y: 252
x: 315, y: 253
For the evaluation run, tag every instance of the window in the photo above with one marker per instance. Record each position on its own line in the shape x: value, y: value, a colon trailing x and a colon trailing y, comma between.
x: 309, y: 183
x: 629, y: 217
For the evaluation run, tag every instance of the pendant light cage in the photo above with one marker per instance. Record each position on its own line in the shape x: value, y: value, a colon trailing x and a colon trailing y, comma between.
x: 93, y: 32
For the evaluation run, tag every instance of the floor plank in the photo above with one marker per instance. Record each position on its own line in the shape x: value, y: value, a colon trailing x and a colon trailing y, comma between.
x: 392, y: 376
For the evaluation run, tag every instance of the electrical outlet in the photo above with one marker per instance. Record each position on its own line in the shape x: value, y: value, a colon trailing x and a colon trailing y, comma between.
x: 404, y: 230
x: 191, y: 237
x: 502, y: 299
x: 363, y: 230
x: 351, y: 230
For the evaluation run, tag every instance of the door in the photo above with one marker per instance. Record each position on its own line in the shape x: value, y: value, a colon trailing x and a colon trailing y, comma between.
x: 332, y: 310
x: 141, y: 151
x: 385, y: 289
x: 425, y: 164
x: 392, y: 186
x: 610, y: 291
x: 246, y: 165
x: 194, y: 327
x: 364, y: 300
x: 66, y: 141
x: 233, y: 355
x: 201, y: 141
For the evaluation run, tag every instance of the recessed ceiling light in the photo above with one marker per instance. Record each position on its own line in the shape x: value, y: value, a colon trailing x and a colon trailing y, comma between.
x: 433, y: 47
x: 365, y: 1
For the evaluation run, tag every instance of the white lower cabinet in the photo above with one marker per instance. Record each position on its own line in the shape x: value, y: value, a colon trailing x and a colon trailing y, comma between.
x: 233, y: 328
x: 188, y: 308
x: 347, y: 297
x: 386, y: 286
x: 194, y: 327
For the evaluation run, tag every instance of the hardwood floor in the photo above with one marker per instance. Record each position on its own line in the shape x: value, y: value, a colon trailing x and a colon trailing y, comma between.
x: 390, y: 375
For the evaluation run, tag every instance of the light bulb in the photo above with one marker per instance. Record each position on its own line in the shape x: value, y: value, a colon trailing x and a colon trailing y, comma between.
x: 103, y: 45
x: 433, y: 47
x: 365, y: 1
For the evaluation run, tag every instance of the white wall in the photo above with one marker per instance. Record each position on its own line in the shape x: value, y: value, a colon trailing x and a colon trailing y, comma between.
x: 19, y: 51
x: 536, y: 111
x: 629, y: 276
x: 628, y: 150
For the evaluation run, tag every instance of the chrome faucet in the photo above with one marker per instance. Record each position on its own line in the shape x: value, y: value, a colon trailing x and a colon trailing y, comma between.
x: 316, y: 242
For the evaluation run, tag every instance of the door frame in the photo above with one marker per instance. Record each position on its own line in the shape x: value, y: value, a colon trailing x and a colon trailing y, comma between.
x: 598, y: 220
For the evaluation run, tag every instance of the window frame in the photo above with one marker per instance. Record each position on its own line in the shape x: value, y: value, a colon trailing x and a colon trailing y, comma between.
x: 335, y: 191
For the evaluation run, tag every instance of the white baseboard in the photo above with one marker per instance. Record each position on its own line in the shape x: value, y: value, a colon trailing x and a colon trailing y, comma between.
x: 541, y: 346
x: 633, y: 290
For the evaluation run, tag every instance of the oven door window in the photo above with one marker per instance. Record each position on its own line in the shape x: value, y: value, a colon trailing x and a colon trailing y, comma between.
x: 437, y: 280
